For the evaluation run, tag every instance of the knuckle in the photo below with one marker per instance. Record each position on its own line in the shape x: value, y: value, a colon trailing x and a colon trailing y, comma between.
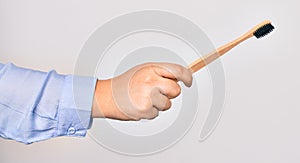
x: 142, y: 110
x: 153, y: 115
x: 174, y: 91
x: 177, y: 90
x: 148, y: 79
x: 168, y: 105
x: 145, y: 108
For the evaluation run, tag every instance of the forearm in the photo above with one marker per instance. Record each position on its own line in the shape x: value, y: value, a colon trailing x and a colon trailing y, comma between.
x: 37, y: 105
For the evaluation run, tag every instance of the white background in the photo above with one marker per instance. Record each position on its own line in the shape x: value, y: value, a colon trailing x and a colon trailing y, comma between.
x: 261, y: 120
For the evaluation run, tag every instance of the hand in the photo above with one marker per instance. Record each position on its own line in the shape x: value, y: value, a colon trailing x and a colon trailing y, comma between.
x: 141, y: 92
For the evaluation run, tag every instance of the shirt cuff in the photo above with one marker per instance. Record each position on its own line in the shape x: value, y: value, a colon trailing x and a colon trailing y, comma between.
x: 74, y: 112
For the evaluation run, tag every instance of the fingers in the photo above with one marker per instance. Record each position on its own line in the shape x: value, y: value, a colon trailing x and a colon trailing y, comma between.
x: 169, y: 88
x: 175, y: 71
x: 150, y: 114
x: 166, y: 87
x: 146, y: 89
x: 160, y: 101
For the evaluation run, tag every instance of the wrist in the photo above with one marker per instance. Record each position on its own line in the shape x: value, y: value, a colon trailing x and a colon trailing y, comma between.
x: 104, y: 105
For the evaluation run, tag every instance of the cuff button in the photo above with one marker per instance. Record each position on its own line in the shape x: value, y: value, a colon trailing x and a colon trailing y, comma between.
x: 71, y: 131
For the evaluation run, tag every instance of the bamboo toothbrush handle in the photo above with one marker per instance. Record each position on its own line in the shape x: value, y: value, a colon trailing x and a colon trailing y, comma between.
x: 202, y: 62
x: 207, y: 59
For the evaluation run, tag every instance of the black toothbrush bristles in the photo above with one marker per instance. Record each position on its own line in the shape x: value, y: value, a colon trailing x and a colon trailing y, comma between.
x: 264, y: 30
x: 260, y: 30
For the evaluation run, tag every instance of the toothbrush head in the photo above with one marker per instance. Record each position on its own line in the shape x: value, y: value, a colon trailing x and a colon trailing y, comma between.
x: 263, y: 29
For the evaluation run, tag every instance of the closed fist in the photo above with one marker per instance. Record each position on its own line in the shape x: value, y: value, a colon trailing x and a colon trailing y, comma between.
x: 141, y: 92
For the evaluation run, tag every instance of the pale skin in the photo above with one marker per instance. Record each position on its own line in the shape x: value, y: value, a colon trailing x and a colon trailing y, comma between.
x: 141, y: 92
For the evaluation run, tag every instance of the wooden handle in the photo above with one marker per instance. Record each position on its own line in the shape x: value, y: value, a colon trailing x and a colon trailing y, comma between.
x: 202, y: 62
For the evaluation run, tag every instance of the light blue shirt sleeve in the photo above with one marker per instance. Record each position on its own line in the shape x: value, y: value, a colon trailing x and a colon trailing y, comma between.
x: 36, y: 105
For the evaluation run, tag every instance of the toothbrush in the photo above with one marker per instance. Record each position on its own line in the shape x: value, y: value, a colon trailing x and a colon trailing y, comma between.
x: 258, y: 31
x: 213, y: 116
